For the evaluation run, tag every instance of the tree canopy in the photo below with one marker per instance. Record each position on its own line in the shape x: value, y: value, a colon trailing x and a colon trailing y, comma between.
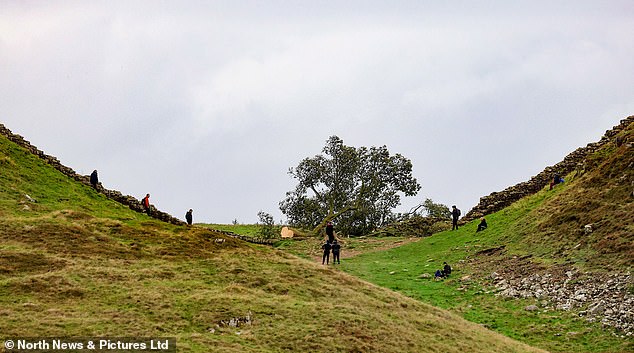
x: 356, y: 187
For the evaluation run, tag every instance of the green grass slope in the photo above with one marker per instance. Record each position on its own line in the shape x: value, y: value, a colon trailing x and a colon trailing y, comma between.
x: 540, y: 233
x: 75, y: 264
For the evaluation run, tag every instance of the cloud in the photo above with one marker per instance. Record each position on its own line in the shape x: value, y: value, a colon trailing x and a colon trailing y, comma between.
x: 208, y: 104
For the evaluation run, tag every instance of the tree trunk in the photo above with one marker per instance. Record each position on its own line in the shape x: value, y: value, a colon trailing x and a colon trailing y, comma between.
x: 331, y: 216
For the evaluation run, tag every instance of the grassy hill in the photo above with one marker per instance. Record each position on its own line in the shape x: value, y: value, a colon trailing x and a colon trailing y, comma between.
x: 539, y: 241
x: 76, y: 264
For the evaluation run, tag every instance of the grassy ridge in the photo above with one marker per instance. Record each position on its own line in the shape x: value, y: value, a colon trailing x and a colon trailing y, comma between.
x: 25, y: 174
x: 77, y: 264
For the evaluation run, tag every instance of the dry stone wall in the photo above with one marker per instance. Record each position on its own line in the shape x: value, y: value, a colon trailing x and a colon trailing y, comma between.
x: 115, y: 195
x: 577, y: 160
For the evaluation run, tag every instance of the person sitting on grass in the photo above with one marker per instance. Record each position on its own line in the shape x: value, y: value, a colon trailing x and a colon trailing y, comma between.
x: 483, y: 225
x: 557, y: 179
x: 438, y: 275
x: 446, y: 271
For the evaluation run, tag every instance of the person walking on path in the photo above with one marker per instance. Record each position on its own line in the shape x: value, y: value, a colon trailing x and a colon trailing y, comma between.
x: 146, y: 204
x: 336, y: 247
x: 188, y: 216
x: 326, y: 257
x: 455, y: 214
x: 330, y: 232
x: 94, y: 179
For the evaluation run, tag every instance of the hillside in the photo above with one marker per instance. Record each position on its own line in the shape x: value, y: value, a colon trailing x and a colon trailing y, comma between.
x: 577, y: 161
x: 74, y: 263
x: 537, y: 274
x: 601, y: 197
x: 588, y: 221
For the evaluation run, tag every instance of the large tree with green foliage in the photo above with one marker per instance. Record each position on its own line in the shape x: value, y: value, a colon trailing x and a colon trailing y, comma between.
x: 357, y: 187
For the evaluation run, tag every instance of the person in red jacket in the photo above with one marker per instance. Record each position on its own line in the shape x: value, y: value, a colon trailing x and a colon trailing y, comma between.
x: 146, y: 204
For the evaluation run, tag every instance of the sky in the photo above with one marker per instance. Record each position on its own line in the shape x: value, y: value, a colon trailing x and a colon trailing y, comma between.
x: 207, y: 104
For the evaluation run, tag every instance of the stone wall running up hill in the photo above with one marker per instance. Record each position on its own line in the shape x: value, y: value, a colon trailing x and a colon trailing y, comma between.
x: 126, y: 200
x: 574, y: 161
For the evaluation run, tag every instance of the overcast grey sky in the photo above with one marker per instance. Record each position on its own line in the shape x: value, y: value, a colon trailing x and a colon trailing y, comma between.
x: 206, y: 104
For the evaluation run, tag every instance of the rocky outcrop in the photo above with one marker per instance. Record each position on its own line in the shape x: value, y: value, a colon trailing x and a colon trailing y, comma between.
x: 577, y: 160
x: 599, y: 297
x: 126, y: 200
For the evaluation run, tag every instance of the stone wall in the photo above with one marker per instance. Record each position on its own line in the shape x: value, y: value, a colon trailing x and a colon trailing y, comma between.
x: 248, y: 239
x: 126, y: 200
x: 577, y: 160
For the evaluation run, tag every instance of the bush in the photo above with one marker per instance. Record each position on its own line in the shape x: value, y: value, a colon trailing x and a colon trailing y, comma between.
x: 267, y: 228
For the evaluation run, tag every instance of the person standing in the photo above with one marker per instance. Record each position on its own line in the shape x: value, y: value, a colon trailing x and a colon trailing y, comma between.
x: 188, y: 216
x: 336, y: 247
x: 146, y: 204
x: 455, y: 214
x: 326, y: 257
x: 94, y: 179
x: 330, y: 232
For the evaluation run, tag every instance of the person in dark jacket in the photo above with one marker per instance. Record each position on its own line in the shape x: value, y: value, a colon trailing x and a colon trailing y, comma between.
x: 94, y: 179
x: 336, y: 247
x: 455, y: 214
x: 446, y: 270
x: 326, y: 258
x: 188, y: 216
x: 330, y: 232
x: 145, y: 202
x: 483, y: 225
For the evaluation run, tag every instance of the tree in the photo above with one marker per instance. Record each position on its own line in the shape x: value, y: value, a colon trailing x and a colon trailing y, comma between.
x: 436, y: 210
x: 428, y: 209
x: 356, y: 187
